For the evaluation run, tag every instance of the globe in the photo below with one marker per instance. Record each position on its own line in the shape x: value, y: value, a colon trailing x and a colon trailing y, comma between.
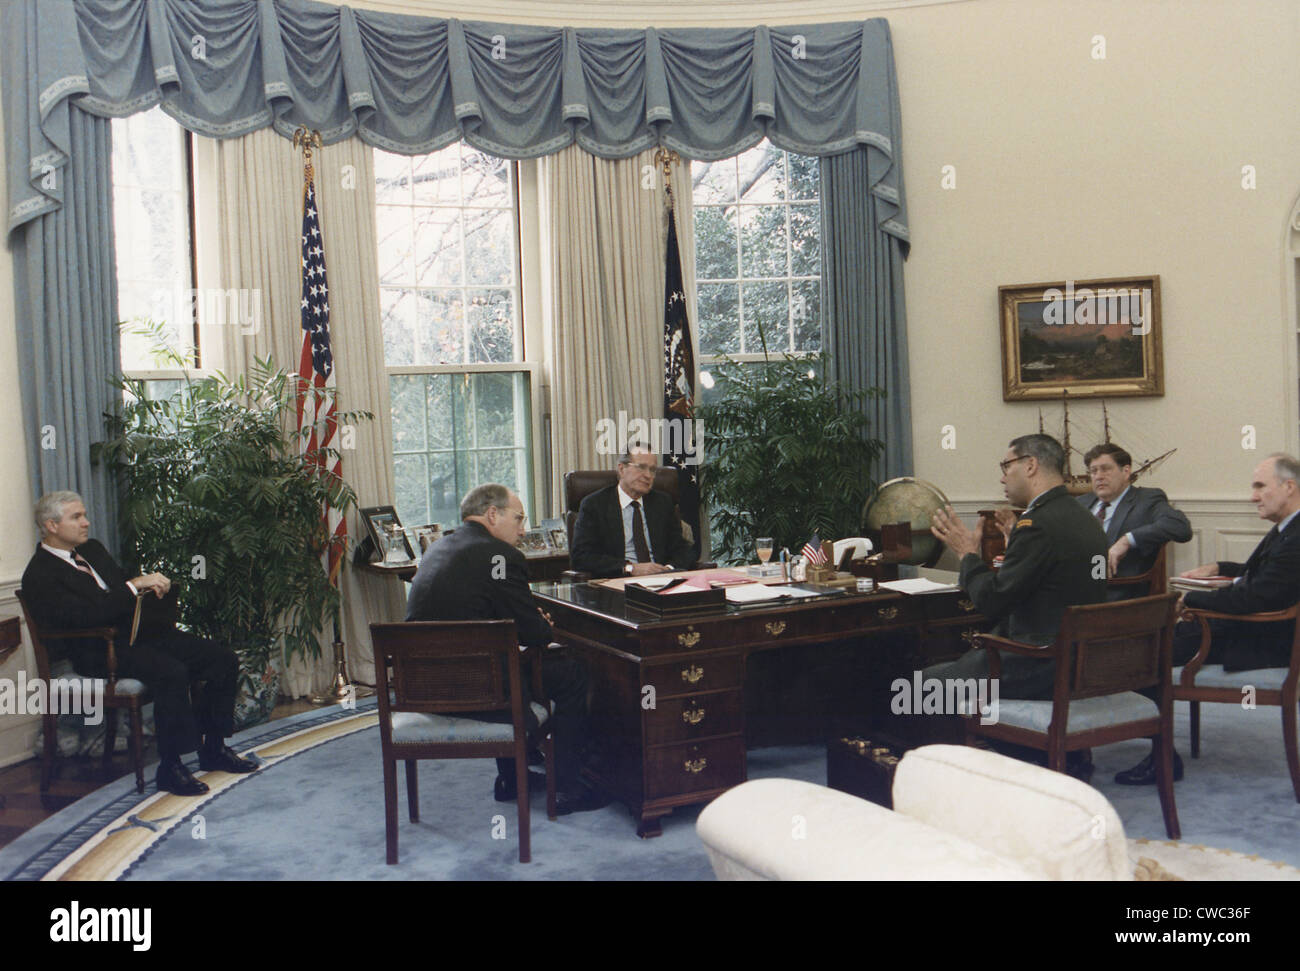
x: 907, y: 500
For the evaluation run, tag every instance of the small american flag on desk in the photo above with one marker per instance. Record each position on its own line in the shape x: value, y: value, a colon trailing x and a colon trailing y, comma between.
x: 812, y: 550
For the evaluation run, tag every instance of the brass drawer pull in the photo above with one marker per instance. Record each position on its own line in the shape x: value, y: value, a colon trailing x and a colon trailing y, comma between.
x: 969, y: 635
x: 888, y: 613
x: 775, y: 627
x: 694, y: 716
x: 692, y: 674
x: 695, y: 766
x: 966, y: 605
x: 690, y: 638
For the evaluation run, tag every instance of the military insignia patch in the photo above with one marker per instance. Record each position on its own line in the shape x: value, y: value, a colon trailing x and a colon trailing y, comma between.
x: 1024, y: 522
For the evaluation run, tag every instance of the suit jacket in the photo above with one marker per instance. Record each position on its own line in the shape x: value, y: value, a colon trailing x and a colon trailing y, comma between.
x: 1050, y: 564
x: 461, y: 578
x: 1271, y: 582
x: 1146, y: 513
x: 61, y: 596
x: 598, y: 546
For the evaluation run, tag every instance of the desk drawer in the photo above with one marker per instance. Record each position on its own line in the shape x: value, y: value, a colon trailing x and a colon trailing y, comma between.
x: 695, y: 716
x: 705, y: 672
x: 676, y: 769
x: 955, y: 607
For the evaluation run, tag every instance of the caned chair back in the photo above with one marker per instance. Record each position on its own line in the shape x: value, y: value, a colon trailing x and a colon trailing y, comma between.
x: 446, y: 666
x: 1117, y: 646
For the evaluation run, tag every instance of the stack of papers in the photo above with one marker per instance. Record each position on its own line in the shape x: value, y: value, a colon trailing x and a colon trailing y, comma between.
x: 918, y: 585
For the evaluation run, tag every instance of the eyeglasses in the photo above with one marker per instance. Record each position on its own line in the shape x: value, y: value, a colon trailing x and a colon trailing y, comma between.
x: 1010, y: 462
x: 520, y: 518
x: 647, y: 469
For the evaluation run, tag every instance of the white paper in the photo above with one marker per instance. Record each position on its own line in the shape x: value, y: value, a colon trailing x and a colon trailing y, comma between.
x: 918, y: 585
x: 746, y: 593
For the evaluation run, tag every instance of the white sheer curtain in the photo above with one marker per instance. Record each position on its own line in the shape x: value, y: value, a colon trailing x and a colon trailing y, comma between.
x: 250, y: 204
x: 603, y: 294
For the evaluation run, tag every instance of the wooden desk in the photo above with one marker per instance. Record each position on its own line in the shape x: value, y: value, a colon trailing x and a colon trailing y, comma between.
x: 668, y: 694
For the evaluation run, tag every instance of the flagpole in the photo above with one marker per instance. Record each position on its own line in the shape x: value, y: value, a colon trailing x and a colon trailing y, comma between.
x: 340, y: 688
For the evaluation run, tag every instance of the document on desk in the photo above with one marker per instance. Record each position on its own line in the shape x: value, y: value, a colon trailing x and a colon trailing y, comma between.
x: 749, y: 593
x: 918, y: 585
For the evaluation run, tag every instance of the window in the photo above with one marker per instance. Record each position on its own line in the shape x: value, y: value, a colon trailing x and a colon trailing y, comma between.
x: 757, y: 254
x: 152, y: 203
x: 449, y: 293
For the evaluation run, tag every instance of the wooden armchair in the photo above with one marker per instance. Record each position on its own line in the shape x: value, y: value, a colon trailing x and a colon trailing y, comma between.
x: 1196, y: 681
x: 127, y: 693
x: 1149, y: 584
x: 1103, y: 655
x: 445, y: 676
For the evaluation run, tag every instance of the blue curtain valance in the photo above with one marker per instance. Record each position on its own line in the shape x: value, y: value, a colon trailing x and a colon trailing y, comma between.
x: 406, y: 84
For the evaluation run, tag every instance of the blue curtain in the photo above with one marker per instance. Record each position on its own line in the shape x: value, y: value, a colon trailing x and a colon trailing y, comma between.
x: 864, y: 321
x: 66, y: 283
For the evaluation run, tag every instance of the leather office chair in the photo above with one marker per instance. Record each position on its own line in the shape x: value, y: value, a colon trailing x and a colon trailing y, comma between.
x: 441, y: 669
x: 1197, y: 681
x: 581, y: 483
x: 1149, y: 584
x: 1103, y: 654
x: 126, y: 693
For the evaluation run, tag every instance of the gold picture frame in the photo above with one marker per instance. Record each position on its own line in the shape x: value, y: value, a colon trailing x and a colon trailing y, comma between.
x: 1082, y: 339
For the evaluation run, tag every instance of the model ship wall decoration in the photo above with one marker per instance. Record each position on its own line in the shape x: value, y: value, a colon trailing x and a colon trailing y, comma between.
x: 1079, y: 483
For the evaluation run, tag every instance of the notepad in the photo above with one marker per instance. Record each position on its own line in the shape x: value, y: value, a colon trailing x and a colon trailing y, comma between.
x: 918, y: 585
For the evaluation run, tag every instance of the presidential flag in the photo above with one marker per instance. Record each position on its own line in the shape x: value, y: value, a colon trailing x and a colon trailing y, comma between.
x: 680, y: 448
x: 316, y: 416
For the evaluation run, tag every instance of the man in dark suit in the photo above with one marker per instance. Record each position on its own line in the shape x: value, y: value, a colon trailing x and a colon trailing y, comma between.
x: 1268, y: 580
x: 478, y: 573
x: 72, y: 582
x: 1137, y: 520
x: 614, y: 536
x: 1054, y: 559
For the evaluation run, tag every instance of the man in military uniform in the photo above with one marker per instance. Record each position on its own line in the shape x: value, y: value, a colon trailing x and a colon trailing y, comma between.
x: 1056, y: 558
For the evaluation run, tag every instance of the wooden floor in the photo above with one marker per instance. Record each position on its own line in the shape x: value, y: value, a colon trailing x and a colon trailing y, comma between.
x: 22, y: 805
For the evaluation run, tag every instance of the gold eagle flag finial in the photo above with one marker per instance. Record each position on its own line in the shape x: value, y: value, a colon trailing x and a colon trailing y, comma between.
x: 306, y: 139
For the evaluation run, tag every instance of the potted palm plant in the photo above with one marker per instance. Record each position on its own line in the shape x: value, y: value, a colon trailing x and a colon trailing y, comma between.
x: 787, y: 454
x: 218, y: 494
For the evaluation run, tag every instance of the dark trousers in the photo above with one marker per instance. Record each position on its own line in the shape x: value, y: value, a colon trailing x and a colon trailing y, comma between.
x: 564, y: 679
x: 167, y: 665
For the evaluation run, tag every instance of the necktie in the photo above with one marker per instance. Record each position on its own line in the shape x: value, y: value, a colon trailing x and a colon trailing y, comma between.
x: 82, y: 565
x: 1101, y: 512
x: 638, y: 535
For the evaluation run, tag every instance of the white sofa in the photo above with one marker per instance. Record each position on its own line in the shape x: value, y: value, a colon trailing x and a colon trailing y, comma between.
x: 960, y: 813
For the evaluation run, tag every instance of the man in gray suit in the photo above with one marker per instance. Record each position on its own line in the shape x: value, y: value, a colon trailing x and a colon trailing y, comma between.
x: 1137, y: 520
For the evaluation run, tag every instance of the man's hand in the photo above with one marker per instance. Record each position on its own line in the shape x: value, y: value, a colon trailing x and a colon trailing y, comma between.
x: 1204, y: 570
x: 156, y: 582
x: 1116, y: 553
x: 948, y: 528
x: 1005, y: 519
x: 546, y: 616
x: 645, y: 569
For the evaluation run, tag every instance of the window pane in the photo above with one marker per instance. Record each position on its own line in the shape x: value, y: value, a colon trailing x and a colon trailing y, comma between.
x: 490, y: 316
x: 437, y: 247
x: 719, y: 308
x: 407, y: 395
x: 392, y: 179
x: 805, y: 177
x: 436, y: 178
x: 441, y: 327
x: 393, y: 224
x: 765, y: 306
x: 715, y: 243
x: 805, y: 313
x: 762, y: 241
x: 397, y: 313
x: 762, y: 174
x: 805, y: 241
x: 486, y: 180
x: 714, y: 181
x: 411, y: 477
x: 489, y: 249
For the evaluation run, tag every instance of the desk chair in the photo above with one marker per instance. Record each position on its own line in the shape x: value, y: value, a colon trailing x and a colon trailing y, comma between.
x: 127, y: 693
x: 439, y: 670
x: 1149, y: 584
x: 1103, y: 655
x: 1197, y: 681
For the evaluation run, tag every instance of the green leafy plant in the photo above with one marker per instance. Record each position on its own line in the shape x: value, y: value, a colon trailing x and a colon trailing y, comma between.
x: 786, y: 455
x: 218, y: 495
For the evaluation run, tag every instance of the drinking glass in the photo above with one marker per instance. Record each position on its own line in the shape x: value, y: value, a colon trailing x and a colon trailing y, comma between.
x: 764, y: 546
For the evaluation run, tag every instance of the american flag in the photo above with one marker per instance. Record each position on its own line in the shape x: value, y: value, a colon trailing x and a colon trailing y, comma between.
x: 812, y: 550
x: 316, y: 373
x: 679, y: 386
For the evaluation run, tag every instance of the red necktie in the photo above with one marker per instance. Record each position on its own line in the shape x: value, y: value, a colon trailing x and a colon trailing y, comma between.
x: 1101, y: 512
x: 639, y: 544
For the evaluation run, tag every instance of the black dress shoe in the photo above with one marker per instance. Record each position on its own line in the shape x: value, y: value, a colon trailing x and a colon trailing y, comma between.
x: 1144, y: 773
x: 507, y: 790
x: 225, y: 759
x: 173, y: 777
x: 579, y: 802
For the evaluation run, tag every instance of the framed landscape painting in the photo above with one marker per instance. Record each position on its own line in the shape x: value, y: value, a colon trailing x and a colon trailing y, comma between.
x: 1081, y: 339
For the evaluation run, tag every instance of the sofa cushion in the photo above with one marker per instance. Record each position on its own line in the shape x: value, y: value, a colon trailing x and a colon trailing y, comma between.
x: 1048, y: 823
x: 783, y: 829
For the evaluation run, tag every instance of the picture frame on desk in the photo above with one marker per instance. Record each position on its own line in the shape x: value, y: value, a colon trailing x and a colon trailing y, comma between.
x: 427, y: 535
x: 535, y: 542
x: 1082, y: 339
x: 378, y: 520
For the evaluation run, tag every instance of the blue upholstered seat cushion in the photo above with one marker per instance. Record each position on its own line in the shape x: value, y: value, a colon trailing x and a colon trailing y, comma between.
x: 1213, y: 676
x: 123, y: 686
x: 1085, y: 713
x: 417, y: 726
